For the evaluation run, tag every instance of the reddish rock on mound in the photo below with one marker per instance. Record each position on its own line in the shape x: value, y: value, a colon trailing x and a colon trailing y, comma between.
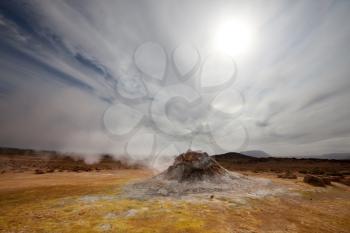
x: 194, y: 166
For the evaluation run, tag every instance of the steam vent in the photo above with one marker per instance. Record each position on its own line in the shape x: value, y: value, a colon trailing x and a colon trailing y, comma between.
x: 194, y: 166
x: 196, y: 173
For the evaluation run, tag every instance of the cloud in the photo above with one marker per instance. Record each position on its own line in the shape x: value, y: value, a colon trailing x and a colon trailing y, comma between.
x: 63, y: 63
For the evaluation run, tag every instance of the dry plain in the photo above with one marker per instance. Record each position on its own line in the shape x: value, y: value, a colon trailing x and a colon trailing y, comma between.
x: 92, y: 202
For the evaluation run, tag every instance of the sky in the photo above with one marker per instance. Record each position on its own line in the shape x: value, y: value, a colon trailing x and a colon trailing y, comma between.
x: 148, y: 78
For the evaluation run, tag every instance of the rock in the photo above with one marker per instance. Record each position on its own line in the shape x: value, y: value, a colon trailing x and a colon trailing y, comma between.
x: 314, y: 180
x: 326, y: 180
x: 287, y: 175
x: 39, y: 171
x: 194, y: 166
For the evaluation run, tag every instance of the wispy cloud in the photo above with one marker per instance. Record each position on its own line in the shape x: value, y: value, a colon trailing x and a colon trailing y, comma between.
x: 64, y: 62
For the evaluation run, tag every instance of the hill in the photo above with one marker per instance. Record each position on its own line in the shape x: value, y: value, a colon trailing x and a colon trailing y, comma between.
x: 336, y: 156
x: 241, y: 162
x: 256, y: 153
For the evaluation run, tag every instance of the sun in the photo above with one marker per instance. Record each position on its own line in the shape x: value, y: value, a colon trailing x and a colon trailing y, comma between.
x: 234, y: 37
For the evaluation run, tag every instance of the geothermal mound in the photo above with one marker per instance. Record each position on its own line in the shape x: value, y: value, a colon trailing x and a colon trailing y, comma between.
x: 194, y: 166
x: 195, y: 172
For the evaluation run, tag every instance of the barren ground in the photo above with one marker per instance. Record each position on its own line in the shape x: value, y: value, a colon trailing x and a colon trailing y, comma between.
x: 91, y: 202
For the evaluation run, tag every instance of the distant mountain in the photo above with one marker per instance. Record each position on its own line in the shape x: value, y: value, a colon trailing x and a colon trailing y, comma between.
x: 233, y: 156
x: 336, y: 156
x: 256, y: 153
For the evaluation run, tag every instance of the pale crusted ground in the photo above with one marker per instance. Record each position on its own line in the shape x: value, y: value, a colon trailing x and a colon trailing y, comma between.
x: 92, y: 202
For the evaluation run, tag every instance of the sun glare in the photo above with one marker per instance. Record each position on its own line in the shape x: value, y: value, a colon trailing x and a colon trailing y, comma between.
x: 234, y: 37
